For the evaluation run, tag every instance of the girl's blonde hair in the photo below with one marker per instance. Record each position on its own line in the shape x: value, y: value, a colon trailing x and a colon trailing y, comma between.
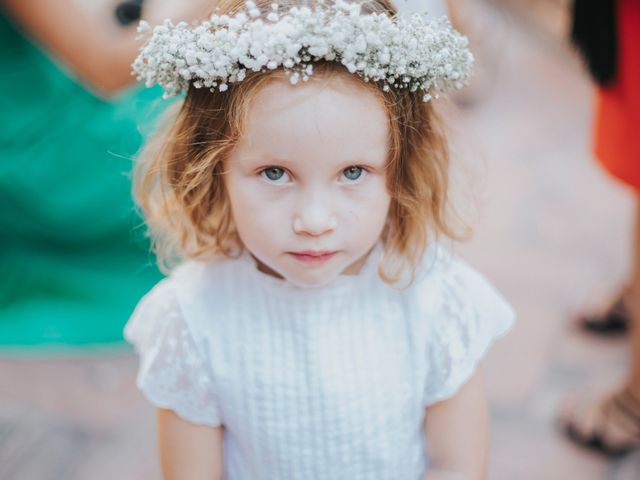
x: 178, y: 180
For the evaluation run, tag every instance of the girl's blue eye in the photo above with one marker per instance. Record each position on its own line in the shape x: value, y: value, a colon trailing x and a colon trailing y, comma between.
x: 353, y: 172
x: 273, y: 173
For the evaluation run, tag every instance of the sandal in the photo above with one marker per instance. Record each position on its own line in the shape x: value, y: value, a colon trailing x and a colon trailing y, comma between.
x: 614, y: 321
x: 610, y: 426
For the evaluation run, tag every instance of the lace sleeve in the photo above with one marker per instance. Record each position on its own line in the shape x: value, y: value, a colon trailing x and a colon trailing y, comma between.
x: 471, y: 316
x: 173, y: 373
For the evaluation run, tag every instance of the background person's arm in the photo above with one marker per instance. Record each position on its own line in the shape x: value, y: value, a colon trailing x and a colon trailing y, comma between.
x: 86, y: 36
x: 188, y: 451
x: 457, y: 431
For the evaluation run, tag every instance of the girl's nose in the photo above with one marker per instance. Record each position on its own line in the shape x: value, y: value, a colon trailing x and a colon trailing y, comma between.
x: 314, y: 217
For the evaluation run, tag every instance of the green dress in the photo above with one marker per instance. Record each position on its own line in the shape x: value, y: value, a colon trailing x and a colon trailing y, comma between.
x: 73, y: 256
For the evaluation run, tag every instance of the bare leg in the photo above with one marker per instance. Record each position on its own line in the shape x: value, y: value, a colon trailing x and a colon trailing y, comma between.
x: 615, y: 318
x: 632, y: 299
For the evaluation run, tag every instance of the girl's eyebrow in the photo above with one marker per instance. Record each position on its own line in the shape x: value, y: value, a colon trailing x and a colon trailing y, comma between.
x: 363, y: 158
x: 267, y: 161
x: 364, y: 161
x: 292, y: 164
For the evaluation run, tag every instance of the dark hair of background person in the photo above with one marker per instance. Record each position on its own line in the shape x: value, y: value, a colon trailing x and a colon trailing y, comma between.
x: 593, y: 32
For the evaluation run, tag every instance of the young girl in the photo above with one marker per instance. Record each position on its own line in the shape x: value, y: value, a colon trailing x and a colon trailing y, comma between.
x: 313, y: 328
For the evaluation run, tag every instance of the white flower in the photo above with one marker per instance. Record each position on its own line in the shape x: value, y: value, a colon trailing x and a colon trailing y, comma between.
x: 414, y: 53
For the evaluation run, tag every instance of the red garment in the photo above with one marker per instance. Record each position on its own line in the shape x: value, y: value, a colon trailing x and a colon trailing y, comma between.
x: 617, y: 133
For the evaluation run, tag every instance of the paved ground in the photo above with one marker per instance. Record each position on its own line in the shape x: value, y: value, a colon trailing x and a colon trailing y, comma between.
x: 551, y: 232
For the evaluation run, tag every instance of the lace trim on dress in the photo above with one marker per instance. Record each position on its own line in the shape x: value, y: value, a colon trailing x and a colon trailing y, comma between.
x: 472, y: 315
x: 173, y: 373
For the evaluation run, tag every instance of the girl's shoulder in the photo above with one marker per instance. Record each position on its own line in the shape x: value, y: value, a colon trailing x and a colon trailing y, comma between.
x: 445, y: 280
x: 179, y: 300
x: 207, y: 273
x: 210, y: 279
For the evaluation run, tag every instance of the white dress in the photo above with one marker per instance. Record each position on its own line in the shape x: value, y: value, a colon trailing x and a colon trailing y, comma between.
x: 319, y: 383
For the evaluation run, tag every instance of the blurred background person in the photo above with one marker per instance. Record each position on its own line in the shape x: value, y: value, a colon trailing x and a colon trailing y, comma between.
x: 434, y: 8
x: 608, y: 33
x: 72, y: 257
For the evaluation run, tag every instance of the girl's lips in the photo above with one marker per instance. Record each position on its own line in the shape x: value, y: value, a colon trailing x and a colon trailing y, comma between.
x: 311, y: 257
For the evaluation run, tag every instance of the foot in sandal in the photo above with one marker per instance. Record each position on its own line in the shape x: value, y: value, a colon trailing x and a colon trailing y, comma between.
x: 609, y: 425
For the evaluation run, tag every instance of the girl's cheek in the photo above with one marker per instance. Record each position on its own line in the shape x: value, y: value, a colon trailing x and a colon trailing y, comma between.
x: 268, y: 203
x: 371, y: 205
x: 371, y: 194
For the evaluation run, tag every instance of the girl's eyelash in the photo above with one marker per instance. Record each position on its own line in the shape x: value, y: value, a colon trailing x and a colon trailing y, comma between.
x: 363, y: 172
x: 274, y: 173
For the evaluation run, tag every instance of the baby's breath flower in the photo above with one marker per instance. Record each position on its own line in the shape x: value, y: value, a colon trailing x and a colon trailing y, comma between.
x: 415, y: 52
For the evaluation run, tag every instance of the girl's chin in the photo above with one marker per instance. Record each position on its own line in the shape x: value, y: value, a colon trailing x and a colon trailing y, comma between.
x: 312, y: 278
x: 305, y: 283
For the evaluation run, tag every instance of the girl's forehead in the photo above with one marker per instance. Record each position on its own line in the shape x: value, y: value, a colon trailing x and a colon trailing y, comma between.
x: 277, y: 90
x: 331, y: 117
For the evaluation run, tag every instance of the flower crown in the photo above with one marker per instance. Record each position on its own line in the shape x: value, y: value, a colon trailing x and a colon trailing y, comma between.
x: 414, y: 52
